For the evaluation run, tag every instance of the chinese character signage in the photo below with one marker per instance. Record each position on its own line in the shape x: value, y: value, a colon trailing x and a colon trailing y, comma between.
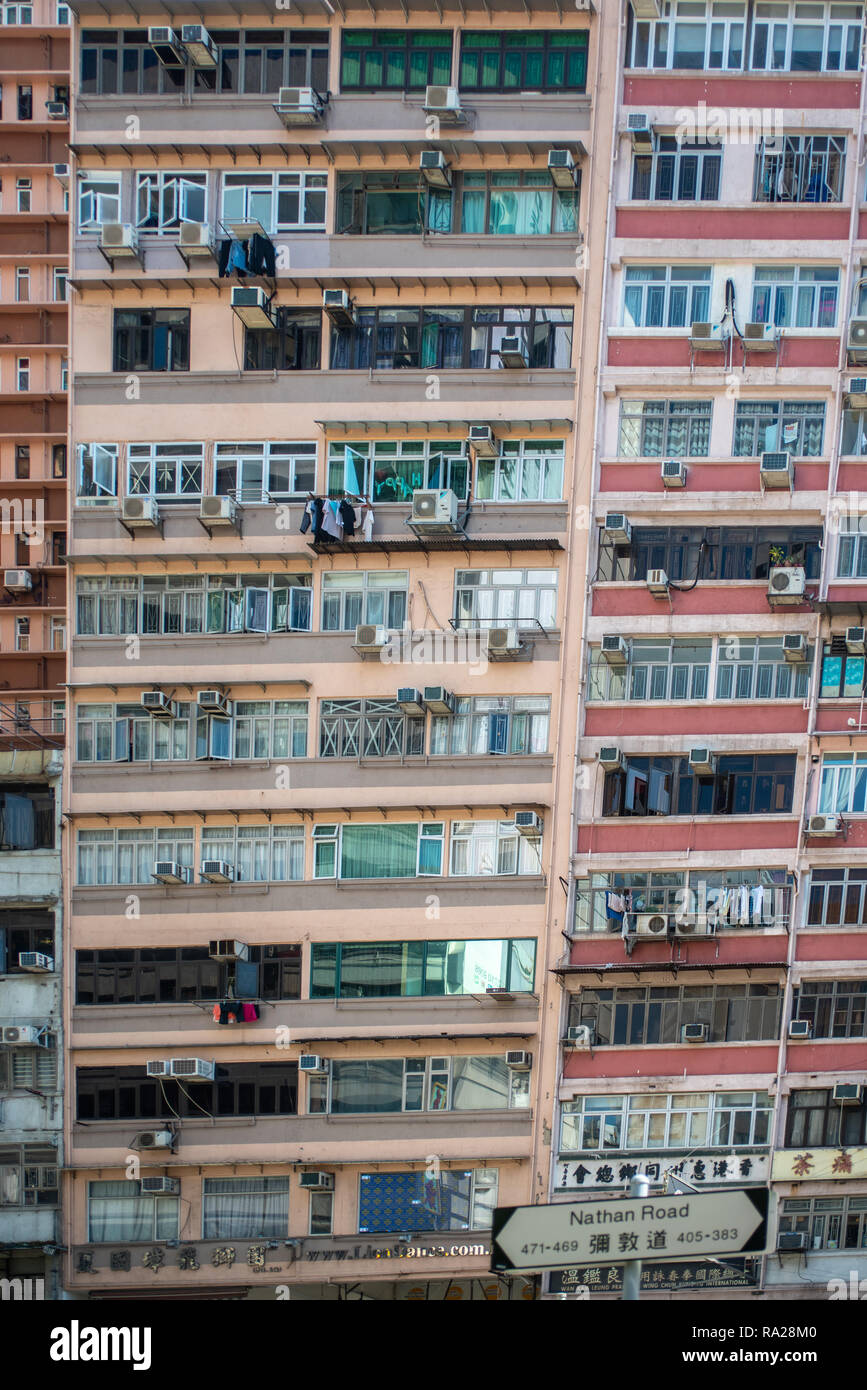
x: 819, y: 1165
x: 699, y: 1170
x: 656, y: 1278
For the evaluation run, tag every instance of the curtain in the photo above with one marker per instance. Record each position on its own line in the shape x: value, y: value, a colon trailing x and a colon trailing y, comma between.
x: 245, y: 1208
x: 116, y: 1216
x: 379, y: 851
x: 19, y: 822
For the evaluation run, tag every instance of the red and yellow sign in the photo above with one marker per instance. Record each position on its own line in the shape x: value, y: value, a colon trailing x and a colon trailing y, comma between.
x: 818, y: 1165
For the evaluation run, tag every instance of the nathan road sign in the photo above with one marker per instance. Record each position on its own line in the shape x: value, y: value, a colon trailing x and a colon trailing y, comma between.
x: 679, y: 1226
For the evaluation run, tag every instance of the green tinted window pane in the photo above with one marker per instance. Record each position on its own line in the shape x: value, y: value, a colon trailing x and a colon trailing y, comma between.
x: 512, y: 70
x: 490, y: 69
x: 394, y: 70
x: 533, y: 70
x: 482, y: 39
x: 576, y: 39
x: 441, y: 68
x: 418, y: 69
x: 373, y: 70
x: 556, y: 69
x: 350, y: 72
x: 323, y: 971
x: 469, y: 71
x: 525, y: 39
x: 576, y: 70
x: 427, y: 38
x: 358, y: 38
x: 391, y: 38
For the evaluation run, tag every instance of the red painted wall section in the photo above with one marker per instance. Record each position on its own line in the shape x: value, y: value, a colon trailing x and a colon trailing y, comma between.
x: 856, y: 837
x: 862, y: 226
x: 627, y: 835
x: 675, y: 352
x: 732, y: 945
x: 833, y: 717
x: 832, y: 945
x: 764, y: 221
x: 834, y: 1055
x: 848, y: 593
x: 635, y: 600
x: 852, y: 477
x: 742, y: 476
x: 662, y: 718
x: 831, y: 90
x: 692, y: 1059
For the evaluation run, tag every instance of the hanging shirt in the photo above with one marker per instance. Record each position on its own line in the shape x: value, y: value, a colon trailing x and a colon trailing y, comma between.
x: 367, y: 525
x: 347, y: 517
x: 331, y: 523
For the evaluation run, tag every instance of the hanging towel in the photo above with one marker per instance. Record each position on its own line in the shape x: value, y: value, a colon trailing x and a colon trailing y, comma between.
x: 250, y: 1013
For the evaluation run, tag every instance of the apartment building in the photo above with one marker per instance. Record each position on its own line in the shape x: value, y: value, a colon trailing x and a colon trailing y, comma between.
x: 34, y: 181
x: 322, y: 256
x: 714, y: 990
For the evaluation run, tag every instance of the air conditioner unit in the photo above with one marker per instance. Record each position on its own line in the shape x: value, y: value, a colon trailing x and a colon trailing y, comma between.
x: 702, y: 762
x: 217, y: 871
x: 118, y: 239
x: 704, y: 337
x: 192, y: 1069
x: 519, y: 1061
x: 299, y: 106
x: 214, y: 702
x: 674, y: 473
x: 166, y: 871
x: 615, y: 649
x: 201, y: 49
x: 194, y: 239
x: 657, y: 583
x: 693, y: 1032
x: 617, y: 528
x: 647, y: 9
x: 57, y: 110
x: 253, y: 306
x: 167, y: 46
x: 528, y: 823
x: 169, y: 1187
x: 61, y: 173
x: 639, y: 127
x: 513, y: 352
x: 369, y: 638
x: 825, y: 826
x: 438, y: 699
x: 17, y: 581
x: 316, y: 1182
x: 141, y: 512
x: 800, y: 1028
x: 610, y: 757
x: 792, y: 1240
x: 759, y: 337
x: 561, y: 167
x: 581, y: 1035
x: 410, y: 700
x: 444, y: 102
x: 857, y: 341
x: 219, y: 511
x: 503, y: 641
x: 339, y: 308
x: 855, y: 641
x: 481, y: 438
x: 228, y: 949
x: 435, y: 510
x: 847, y: 1093
x: 153, y: 1138
x: 159, y: 1068
x: 157, y: 702
x: 652, y: 924
x: 22, y: 1035
x: 794, y: 646
x: 776, y: 470
x: 434, y: 169
x: 35, y: 961
x: 313, y: 1064
x: 786, y: 585
x: 855, y: 395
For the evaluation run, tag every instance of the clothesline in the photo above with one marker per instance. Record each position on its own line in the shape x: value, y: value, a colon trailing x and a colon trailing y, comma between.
x: 337, y: 520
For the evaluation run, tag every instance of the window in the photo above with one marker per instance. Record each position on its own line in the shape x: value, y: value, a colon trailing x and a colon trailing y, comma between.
x: 180, y: 604
x: 351, y: 597
x: 743, y: 785
x: 851, y: 564
x: 493, y: 847
x: 287, y: 201
x: 796, y: 37
x: 837, y: 897
x: 128, y: 856
x: 829, y: 1223
x: 513, y: 724
x: 321, y: 1213
x: 685, y: 171
x: 797, y: 426
x: 16, y: 14
x: 656, y: 1013
x: 59, y: 281
x: 58, y: 707
x: 98, y: 200
x: 24, y: 929
x: 258, y: 853
x: 255, y: 61
x: 244, y: 1208
x: 390, y: 850
x: 58, y: 630
x: 26, y: 816
x: 271, y: 728
x: 373, y: 202
x: 387, y: 339
x: 523, y: 60
x: 25, y: 107
x: 22, y: 284
x: 659, y: 296
x: 664, y: 429
x: 816, y: 1120
x: 124, y: 733
x: 800, y: 169
x: 755, y: 668
x: 410, y: 1202
x: 834, y: 1007
x: 842, y: 673
x: 796, y: 296
x: 503, y: 598
x: 151, y: 340
x: 368, y: 729
x: 516, y: 203
x: 164, y: 200
x: 843, y: 787
x: 262, y: 1089
x: 294, y: 345
x: 401, y: 969
x: 24, y: 188
x: 22, y: 634
x: 64, y: 373
x: 722, y: 898
x: 265, y: 472
x: 527, y: 470
x: 22, y: 374
x: 692, y: 39
x: 58, y: 460
x: 97, y: 474
x: 64, y: 15
x: 169, y: 472
x: 22, y: 460
x: 733, y: 553
x: 721, y: 1119
x: 395, y: 59
x: 370, y: 1086
x: 29, y: 1176
x: 662, y: 668
x: 30, y: 1068
x: 120, y: 1211
x: 185, y: 974
x: 391, y: 470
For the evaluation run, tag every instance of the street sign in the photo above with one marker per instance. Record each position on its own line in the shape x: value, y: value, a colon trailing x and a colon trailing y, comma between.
x: 678, y: 1226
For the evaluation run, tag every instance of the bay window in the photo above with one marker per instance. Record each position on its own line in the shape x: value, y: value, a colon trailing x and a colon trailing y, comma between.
x: 377, y: 202
x: 800, y: 169
x: 281, y: 201
x: 837, y: 898
x: 816, y: 1120
x: 835, y: 1008
x: 263, y: 1089
x: 743, y: 785
x: 391, y: 470
x: 718, y: 898
x: 526, y: 470
x: 843, y: 785
x: 390, y: 338
x: 655, y: 1014
x: 516, y: 203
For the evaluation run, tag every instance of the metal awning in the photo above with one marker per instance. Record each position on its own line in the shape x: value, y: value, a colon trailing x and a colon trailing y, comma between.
x: 672, y: 967
x: 545, y: 423
x: 387, y: 544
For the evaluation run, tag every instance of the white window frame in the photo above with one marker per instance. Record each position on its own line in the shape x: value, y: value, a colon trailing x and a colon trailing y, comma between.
x: 660, y: 33
x: 22, y: 282
x: 24, y: 191
x: 676, y: 279
x: 22, y: 374
x: 838, y: 779
x: 798, y: 289
x: 60, y: 282
x: 790, y: 22
x: 177, y: 460
x: 260, y: 185
x: 529, y: 589
x: 486, y: 843
x: 99, y: 199
x: 16, y: 14
x: 178, y: 189
x: 104, y: 472
x: 258, y: 457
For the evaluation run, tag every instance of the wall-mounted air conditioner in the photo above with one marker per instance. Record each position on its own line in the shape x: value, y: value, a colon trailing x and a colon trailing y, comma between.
x: 61, y: 173
x: 775, y: 470
x: 167, y: 45
x: 794, y: 646
x: 855, y: 395
x: 702, y: 762
x: 800, y: 1028
x: 855, y: 643
x: 674, y: 473
x: 823, y: 826
x: 253, y: 306
x: 214, y: 702
x: 118, y: 239
x: 164, y: 1187
x: 791, y: 1240
x: 299, y: 106
x: 316, y: 1181
x: 616, y: 528
x: 759, y: 337
x: 438, y: 699
x: 581, y: 1035
x: 194, y: 239
x: 434, y: 168
x: 228, y: 949
x: 481, y: 439
x: 786, y: 585
x: 615, y: 649
x: 513, y: 351
x: 410, y: 700
x: 217, y: 871
x: 856, y: 342
x: 218, y: 511
x: 435, y: 511
x: 200, y: 47
x: 22, y: 1035
x: 503, y: 641
x: 159, y: 1067
x: 57, y: 110
x: 153, y: 1138
x: 157, y: 702
x: 191, y: 1069
x: 167, y: 871
x: 444, y: 102
x: 657, y: 583
x: 528, y: 823
x: 313, y: 1064
x: 370, y: 638
x: 141, y: 513
x: 610, y: 757
x: 693, y: 1033
x: 339, y: 308
x: 652, y: 924
x: 519, y: 1061
x: 706, y: 337
x: 848, y: 1093
x: 17, y: 581
x: 36, y: 962
x: 639, y: 128
x: 561, y: 167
